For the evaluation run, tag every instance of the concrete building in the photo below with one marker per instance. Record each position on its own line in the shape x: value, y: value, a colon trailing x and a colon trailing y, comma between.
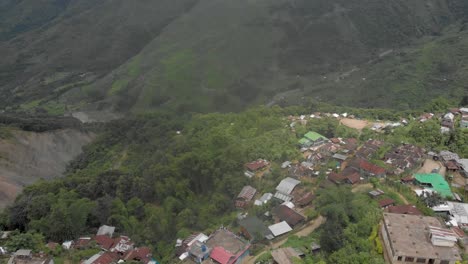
x: 418, y: 239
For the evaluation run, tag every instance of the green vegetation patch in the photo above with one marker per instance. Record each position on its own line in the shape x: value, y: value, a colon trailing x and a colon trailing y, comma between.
x: 117, y: 86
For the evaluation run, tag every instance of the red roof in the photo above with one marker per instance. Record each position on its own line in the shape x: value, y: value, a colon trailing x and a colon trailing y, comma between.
x: 104, y: 241
x: 335, y: 177
x: 386, y: 202
x: 287, y: 214
x: 140, y: 254
x: 335, y: 140
x: 369, y: 167
x: 458, y: 231
x: 220, y: 255
x: 404, y: 209
x: 452, y: 165
x: 306, y: 199
x: 256, y: 165
x: 106, y: 258
x: 354, y: 178
x: 247, y: 193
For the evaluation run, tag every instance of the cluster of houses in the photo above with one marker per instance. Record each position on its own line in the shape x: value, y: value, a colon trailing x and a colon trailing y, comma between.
x: 114, y: 249
x: 452, y: 162
x: 289, y: 195
x: 302, y: 119
x: 226, y: 247
x: 222, y: 246
x: 359, y: 167
x: 405, y: 157
x: 410, y: 237
x: 360, y: 163
x: 448, y: 119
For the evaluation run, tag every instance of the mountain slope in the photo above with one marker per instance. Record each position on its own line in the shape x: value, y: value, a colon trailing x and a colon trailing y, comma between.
x: 209, y: 55
x: 87, y: 39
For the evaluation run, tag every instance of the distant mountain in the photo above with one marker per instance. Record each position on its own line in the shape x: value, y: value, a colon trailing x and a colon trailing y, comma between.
x: 218, y: 55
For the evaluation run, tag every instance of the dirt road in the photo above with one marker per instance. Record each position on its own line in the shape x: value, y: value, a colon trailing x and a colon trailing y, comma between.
x: 311, y: 227
x: 305, y: 231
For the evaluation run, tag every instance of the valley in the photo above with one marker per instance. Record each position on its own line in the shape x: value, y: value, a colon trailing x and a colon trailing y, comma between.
x: 246, y: 131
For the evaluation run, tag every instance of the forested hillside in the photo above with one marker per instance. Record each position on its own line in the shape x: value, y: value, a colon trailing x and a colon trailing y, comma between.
x: 204, y: 55
x: 161, y: 177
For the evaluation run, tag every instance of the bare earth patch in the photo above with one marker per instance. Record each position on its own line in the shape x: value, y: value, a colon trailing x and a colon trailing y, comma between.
x: 430, y: 164
x: 27, y: 157
x: 354, y: 123
x: 8, y: 191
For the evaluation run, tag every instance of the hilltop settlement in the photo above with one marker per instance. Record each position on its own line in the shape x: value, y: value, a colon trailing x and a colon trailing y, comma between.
x: 418, y: 192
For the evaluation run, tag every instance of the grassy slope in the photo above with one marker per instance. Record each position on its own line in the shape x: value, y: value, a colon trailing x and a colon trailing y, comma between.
x: 407, y: 78
x: 91, y: 37
x: 194, y: 62
x: 225, y: 56
x: 218, y: 55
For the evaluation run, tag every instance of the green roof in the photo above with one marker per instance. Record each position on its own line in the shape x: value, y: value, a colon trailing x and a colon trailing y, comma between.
x: 437, y: 181
x: 314, y: 136
x: 304, y: 141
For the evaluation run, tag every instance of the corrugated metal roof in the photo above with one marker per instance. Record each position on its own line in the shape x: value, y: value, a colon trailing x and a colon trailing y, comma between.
x: 287, y: 185
x: 464, y: 163
x: 284, y: 213
x: 280, y: 228
x: 247, y: 193
x: 283, y: 197
x: 340, y: 156
x: 264, y: 199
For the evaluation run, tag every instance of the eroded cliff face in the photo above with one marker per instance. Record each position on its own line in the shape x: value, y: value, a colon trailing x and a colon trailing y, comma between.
x: 26, y: 157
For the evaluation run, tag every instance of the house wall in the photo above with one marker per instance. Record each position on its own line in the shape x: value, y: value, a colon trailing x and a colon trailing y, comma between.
x: 442, y: 243
x: 243, y: 256
x: 245, y: 233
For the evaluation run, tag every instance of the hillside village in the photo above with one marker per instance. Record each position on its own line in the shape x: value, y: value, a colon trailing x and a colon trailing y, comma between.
x: 419, y: 191
x: 347, y: 162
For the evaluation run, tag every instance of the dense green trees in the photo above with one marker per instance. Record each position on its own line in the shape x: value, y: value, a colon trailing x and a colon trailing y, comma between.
x: 33, y: 241
x: 351, y: 218
x: 152, y: 182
